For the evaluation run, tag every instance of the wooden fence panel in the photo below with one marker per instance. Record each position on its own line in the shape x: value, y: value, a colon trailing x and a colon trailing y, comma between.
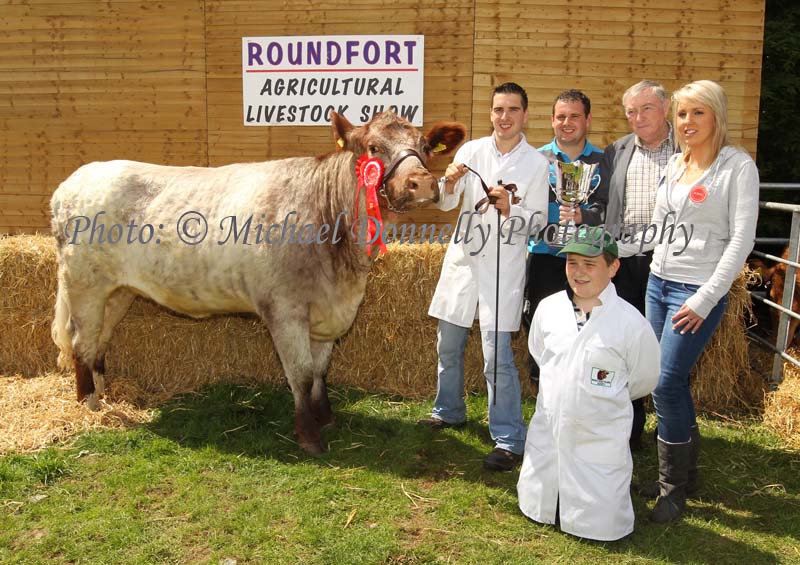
x: 604, y: 46
x: 83, y: 80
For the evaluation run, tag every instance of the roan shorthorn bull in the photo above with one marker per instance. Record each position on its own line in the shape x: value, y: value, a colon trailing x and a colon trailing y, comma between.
x: 272, y: 238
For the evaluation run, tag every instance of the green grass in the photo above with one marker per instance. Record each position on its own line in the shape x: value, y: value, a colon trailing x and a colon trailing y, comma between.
x: 216, y: 475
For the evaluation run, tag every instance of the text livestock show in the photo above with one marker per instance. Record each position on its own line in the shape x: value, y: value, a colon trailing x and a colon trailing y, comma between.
x: 303, y: 80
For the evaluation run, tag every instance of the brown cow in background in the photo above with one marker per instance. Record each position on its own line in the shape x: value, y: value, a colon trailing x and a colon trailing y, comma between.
x: 774, y: 277
x: 179, y: 235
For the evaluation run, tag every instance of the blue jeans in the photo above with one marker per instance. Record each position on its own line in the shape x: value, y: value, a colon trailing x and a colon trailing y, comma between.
x: 679, y: 353
x: 505, y: 418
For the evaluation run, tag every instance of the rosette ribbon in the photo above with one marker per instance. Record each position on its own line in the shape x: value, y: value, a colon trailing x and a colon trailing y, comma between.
x: 369, y: 171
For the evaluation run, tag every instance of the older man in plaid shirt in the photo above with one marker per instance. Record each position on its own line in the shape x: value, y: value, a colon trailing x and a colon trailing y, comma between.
x: 632, y: 167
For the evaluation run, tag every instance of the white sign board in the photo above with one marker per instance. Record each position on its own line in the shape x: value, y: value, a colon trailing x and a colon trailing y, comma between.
x: 291, y: 81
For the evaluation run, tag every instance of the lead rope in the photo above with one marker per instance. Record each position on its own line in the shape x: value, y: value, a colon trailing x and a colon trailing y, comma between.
x: 496, y: 305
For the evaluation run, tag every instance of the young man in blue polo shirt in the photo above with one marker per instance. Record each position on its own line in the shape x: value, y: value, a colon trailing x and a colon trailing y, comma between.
x: 545, y: 269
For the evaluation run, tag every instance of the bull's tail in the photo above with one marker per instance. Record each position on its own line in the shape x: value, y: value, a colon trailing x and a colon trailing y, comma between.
x: 60, y: 329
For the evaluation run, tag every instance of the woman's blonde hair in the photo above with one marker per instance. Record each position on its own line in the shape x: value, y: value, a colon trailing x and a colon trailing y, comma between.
x: 709, y: 94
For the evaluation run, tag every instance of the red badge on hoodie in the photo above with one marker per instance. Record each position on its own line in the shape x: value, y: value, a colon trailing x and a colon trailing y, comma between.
x: 698, y: 194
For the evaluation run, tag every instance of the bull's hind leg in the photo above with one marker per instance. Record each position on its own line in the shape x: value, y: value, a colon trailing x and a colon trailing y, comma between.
x: 117, y: 306
x: 86, y: 308
x: 290, y: 335
x: 320, y: 404
x: 60, y: 330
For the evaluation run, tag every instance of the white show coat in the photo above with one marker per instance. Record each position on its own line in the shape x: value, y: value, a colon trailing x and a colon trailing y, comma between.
x: 576, y: 450
x: 467, y: 282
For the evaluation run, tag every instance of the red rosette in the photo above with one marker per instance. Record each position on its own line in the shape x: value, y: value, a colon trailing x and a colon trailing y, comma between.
x: 369, y: 171
x: 698, y: 194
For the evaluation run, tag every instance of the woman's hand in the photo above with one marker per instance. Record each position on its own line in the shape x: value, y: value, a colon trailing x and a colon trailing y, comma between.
x: 687, y: 319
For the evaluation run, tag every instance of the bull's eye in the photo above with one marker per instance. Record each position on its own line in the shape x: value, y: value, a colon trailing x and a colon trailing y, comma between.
x: 374, y: 149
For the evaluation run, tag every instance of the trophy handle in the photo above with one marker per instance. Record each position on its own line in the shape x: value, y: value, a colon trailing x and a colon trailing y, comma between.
x: 555, y: 176
x: 554, y: 180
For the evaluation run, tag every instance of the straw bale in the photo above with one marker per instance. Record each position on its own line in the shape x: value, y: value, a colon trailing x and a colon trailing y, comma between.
x: 27, y: 294
x: 168, y: 354
x: 782, y: 407
x: 391, y: 347
x: 52, y: 399
x: 723, y: 380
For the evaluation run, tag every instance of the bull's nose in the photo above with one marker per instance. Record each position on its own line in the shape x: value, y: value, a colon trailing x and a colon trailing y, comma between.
x: 415, y: 183
x: 421, y: 187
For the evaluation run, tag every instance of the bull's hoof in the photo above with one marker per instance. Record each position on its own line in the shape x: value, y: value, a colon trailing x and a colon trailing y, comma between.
x: 92, y: 402
x: 315, y: 448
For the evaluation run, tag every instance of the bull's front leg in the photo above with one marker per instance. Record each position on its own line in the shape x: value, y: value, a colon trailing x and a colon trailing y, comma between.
x: 320, y: 403
x: 306, y: 427
x: 288, y: 325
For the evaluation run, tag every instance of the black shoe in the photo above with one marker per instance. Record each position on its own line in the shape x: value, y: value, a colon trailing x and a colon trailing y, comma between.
x: 501, y: 460
x: 668, y: 509
x: 437, y: 424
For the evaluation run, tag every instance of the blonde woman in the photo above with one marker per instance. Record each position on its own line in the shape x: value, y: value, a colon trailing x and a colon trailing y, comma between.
x: 711, y: 189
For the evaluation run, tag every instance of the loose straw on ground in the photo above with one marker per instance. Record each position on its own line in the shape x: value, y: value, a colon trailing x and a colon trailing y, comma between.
x: 37, y: 412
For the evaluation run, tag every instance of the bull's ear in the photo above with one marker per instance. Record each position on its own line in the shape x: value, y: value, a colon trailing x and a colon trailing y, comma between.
x: 342, y: 129
x: 445, y: 137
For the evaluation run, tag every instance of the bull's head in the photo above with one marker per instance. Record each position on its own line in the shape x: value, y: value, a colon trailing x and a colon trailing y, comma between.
x: 404, y: 152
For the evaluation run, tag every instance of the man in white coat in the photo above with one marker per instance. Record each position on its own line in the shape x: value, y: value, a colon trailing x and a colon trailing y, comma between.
x: 596, y: 353
x: 469, y: 277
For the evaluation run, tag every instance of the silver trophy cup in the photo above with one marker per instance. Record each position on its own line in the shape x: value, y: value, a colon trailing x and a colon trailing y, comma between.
x: 573, y: 184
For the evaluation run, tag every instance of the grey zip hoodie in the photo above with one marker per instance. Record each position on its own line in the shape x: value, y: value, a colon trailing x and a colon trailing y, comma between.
x: 719, y: 215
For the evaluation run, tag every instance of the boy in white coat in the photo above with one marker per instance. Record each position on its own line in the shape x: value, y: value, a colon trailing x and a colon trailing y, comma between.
x: 596, y: 353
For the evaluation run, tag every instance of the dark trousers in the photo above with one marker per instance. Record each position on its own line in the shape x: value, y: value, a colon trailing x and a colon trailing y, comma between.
x: 631, y: 284
x: 546, y: 275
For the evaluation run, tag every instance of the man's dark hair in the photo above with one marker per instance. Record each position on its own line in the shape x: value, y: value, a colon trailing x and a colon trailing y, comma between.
x: 512, y: 88
x: 573, y: 95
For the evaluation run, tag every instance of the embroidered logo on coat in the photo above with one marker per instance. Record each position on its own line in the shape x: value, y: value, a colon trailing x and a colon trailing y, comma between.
x: 601, y: 377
